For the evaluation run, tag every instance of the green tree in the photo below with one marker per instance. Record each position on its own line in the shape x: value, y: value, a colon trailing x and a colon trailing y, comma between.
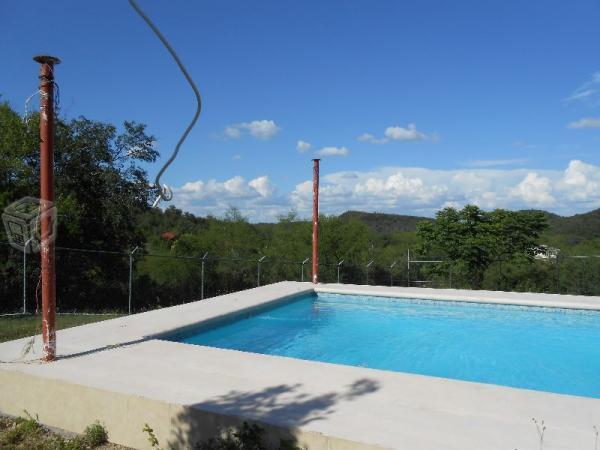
x: 472, y: 239
x: 100, y: 189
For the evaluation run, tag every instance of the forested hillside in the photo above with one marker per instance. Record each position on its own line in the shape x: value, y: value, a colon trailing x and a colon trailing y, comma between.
x: 385, y: 223
x: 572, y: 228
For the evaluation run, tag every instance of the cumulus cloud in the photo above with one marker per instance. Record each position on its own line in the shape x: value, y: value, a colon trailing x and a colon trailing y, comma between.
x: 534, y: 190
x: 581, y: 184
x: 586, y: 122
x: 263, y: 186
x: 333, y: 151
x: 255, y: 198
x: 423, y: 191
x: 404, y: 190
x: 303, y: 146
x: 395, y: 133
x: 410, y: 133
x: 259, y: 129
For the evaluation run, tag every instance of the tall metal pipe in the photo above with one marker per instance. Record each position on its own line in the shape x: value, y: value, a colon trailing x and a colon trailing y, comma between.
x: 47, y: 64
x: 315, y: 233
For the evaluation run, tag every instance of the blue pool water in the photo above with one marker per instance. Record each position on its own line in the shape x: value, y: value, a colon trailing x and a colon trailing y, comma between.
x: 547, y: 349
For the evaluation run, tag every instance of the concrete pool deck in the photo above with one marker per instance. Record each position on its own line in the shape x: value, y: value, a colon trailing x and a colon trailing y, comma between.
x: 117, y: 372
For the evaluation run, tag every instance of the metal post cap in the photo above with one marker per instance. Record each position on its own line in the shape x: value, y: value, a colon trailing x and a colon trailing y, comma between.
x: 46, y: 59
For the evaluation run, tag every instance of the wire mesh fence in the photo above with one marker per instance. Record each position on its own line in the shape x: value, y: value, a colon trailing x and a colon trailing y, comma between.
x: 101, y: 281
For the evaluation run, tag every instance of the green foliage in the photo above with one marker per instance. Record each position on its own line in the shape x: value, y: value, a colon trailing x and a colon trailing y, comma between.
x: 26, y: 433
x: 473, y: 239
x: 25, y: 428
x: 383, y: 224
x: 100, y: 190
x: 151, y: 436
x: 95, y: 434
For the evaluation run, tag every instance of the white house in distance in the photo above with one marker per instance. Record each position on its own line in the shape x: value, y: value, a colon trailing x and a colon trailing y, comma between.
x: 546, y: 252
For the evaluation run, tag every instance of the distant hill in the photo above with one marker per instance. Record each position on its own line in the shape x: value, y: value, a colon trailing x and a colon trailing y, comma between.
x: 385, y: 223
x: 576, y: 228
x: 571, y: 229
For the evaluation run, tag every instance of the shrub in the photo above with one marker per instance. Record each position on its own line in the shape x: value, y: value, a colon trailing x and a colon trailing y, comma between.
x: 95, y: 435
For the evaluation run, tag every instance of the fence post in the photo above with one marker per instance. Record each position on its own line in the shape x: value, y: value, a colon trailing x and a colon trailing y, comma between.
x: 369, y: 265
x: 303, y: 263
x: 202, y: 277
x: 338, y: 270
x: 258, y: 270
x: 408, y: 272
x: 25, y: 275
x: 131, y: 277
x: 392, y: 273
x: 557, y: 274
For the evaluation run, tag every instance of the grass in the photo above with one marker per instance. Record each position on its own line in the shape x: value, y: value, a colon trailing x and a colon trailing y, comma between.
x: 15, y: 327
x: 26, y: 433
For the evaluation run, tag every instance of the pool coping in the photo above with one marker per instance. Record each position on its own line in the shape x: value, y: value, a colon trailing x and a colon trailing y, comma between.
x: 461, y: 295
x: 126, y: 375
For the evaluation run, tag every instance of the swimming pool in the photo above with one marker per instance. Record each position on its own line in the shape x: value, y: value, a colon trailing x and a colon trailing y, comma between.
x: 546, y: 349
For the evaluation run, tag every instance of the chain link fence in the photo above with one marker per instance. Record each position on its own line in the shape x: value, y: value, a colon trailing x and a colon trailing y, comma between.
x: 100, y: 281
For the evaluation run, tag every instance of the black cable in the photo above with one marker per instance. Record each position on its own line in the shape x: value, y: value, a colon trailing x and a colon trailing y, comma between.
x: 164, y: 193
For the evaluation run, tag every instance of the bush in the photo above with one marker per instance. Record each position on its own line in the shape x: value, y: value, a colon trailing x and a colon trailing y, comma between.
x: 95, y: 435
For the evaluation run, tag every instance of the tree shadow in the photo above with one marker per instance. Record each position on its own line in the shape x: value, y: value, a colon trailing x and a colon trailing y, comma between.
x: 279, y: 410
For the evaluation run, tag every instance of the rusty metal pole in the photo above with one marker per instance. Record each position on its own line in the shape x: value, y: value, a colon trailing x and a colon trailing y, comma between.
x: 46, y: 201
x: 315, y: 234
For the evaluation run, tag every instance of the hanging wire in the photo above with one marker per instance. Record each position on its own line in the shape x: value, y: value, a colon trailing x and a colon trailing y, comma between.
x: 56, y: 99
x: 27, y: 100
x: 165, y: 192
x: 39, y: 92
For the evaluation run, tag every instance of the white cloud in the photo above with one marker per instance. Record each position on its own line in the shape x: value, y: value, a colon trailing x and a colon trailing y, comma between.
x: 587, y: 92
x: 259, y: 129
x: 581, y: 184
x: 396, y: 133
x: 403, y: 190
x: 367, y: 137
x: 410, y: 133
x: 586, y: 122
x: 303, y: 146
x: 534, y: 190
x: 233, y: 132
x: 255, y: 198
x: 496, y: 162
x: 263, y: 186
x: 412, y: 190
x: 333, y: 151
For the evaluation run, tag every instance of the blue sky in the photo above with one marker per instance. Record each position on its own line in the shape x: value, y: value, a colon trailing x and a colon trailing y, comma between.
x: 416, y: 105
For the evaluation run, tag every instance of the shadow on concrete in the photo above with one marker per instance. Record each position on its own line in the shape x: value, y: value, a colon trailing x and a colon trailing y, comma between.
x: 279, y: 410
x: 100, y: 349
